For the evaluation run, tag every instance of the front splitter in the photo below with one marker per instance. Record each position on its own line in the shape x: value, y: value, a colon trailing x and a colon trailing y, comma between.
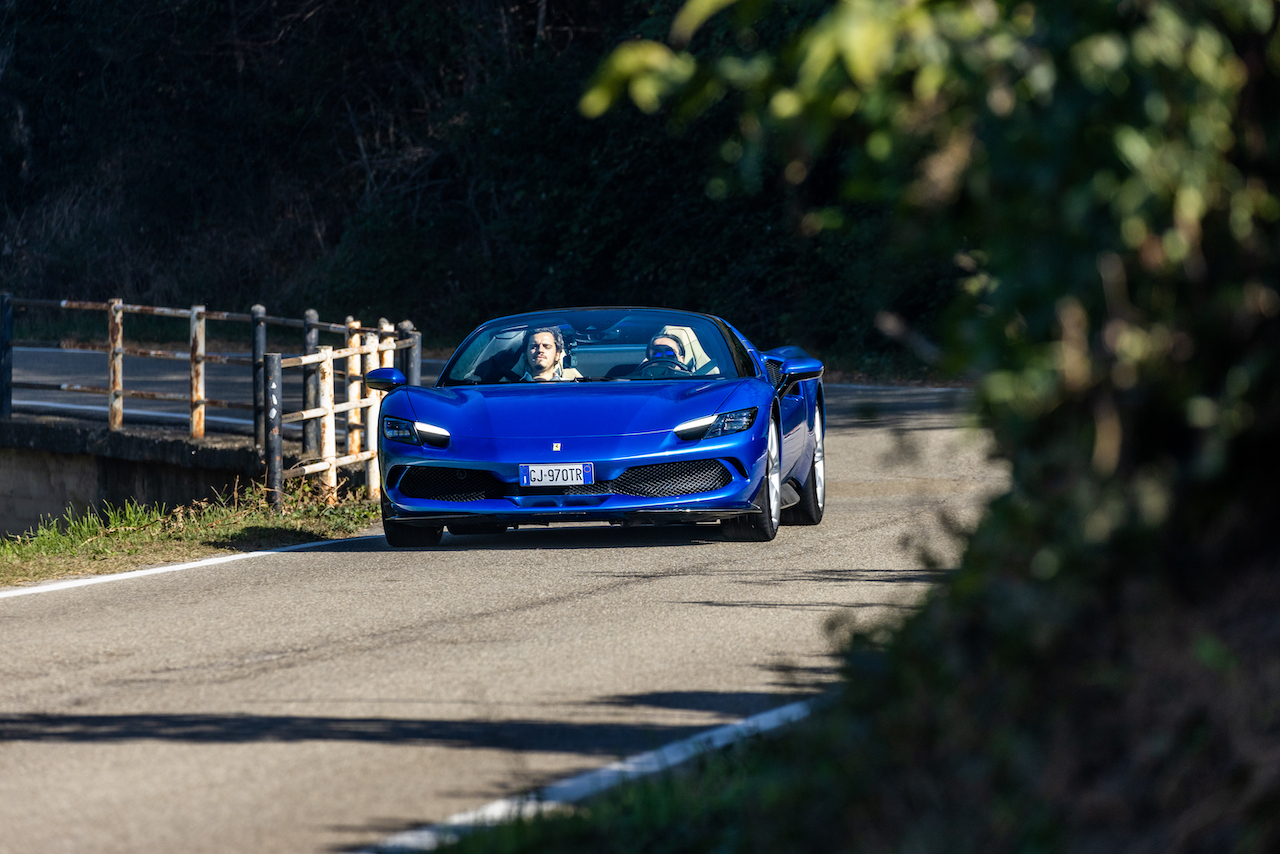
x: 664, y: 516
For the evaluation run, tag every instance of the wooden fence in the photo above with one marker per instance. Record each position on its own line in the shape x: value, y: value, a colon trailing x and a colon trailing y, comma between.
x: 361, y: 356
x: 366, y: 348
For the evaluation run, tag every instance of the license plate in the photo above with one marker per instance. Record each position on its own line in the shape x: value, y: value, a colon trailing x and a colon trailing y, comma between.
x: 562, y: 474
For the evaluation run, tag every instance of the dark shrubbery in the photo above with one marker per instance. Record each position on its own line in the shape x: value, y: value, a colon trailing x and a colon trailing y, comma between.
x: 413, y: 158
x: 1101, y: 672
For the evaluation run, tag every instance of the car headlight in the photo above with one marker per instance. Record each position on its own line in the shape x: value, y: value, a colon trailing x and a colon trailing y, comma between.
x: 414, y: 432
x: 710, y: 426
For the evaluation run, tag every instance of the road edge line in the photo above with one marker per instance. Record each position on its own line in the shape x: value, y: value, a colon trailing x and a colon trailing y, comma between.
x: 579, y: 787
x: 52, y: 586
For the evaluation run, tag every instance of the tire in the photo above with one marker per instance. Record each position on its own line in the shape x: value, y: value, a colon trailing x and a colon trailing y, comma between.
x: 813, y: 498
x: 402, y: 536
x: 763, y: 527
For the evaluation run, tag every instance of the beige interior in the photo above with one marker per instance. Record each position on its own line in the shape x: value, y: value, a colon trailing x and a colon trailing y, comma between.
x: 694, y: 356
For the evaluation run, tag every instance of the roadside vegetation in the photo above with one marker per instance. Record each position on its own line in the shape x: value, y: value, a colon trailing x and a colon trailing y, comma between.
x: 411, y: 159
x: 1101, y: 672
x: 133, y: 537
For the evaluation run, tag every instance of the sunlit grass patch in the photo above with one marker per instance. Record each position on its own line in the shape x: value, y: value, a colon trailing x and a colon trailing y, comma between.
x: 120, y: 538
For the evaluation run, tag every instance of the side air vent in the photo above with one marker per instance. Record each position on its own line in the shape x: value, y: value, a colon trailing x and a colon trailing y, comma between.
x: 774, y: 368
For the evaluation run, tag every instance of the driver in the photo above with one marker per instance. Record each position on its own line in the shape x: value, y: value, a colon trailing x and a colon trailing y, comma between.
x: 544, y: 353
x: 664, y: 347
x: 664, y: 357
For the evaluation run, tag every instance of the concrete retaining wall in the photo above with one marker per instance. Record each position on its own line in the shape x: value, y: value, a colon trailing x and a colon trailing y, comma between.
x: 48, y: 464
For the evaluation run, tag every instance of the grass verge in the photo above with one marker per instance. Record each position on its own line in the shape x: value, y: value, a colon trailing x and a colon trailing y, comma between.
x: 133, y: 536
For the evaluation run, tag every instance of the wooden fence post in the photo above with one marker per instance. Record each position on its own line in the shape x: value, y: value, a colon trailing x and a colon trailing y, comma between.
x: 386, y: 333
x: 115, y: 364
x: 415, y: 357
x: 372, y: 470
x: 328, y: 427
x: 273, y: 410
x: 355, y: 383
x: 258, y: 319
x: 6, y: 357
x: 197, y: 371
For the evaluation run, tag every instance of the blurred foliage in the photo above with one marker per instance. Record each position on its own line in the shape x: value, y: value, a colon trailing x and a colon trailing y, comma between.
x: 1106, y: 175
x: 413, y: 158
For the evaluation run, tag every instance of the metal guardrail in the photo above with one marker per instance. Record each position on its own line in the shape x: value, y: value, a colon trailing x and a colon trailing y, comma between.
x: 366, y: 348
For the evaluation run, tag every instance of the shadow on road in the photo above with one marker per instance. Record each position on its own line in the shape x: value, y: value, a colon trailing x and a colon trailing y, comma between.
x: 586, y: 738
x: 586, y: 536
x: 515, y: 735
x: 737, y: 703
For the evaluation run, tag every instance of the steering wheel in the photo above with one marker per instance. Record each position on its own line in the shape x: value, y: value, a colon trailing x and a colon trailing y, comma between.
x: 663, y: 366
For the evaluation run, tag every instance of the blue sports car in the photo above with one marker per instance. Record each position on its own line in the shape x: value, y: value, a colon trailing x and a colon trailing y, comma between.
x: 620, y: 415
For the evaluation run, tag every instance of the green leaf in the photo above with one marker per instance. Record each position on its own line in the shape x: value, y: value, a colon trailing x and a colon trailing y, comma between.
x: 693, y: 15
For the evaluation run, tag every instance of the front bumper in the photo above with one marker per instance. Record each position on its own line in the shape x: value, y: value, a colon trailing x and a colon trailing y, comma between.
x: 714, y: 482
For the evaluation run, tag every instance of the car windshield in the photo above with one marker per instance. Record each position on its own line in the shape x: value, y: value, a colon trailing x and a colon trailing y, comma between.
x: 597, y: 345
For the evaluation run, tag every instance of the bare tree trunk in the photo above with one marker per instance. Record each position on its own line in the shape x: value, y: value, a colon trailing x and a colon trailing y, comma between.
x: 236, y: 47
x: 542, y: 20
x: 506, y: 47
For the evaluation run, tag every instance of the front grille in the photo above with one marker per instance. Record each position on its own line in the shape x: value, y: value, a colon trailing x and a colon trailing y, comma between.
x: 662, y: 480
x: 669, y: 479
x: 435, y: 483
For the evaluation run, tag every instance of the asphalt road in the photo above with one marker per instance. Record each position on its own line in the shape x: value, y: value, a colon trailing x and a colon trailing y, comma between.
x: 89, y: 368
x: 321, y: 700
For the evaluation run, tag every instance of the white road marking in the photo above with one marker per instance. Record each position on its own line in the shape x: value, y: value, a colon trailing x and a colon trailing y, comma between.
x: 574, y: 789
x: 52, y: 586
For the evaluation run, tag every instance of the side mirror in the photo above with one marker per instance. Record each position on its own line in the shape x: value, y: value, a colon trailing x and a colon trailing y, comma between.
x: 798, y: 370
x: 384, y: 379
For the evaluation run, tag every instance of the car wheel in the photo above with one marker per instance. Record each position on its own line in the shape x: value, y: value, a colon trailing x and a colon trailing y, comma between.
x: 402, y: 536
x: 763, y: 527
x: 813, y: 499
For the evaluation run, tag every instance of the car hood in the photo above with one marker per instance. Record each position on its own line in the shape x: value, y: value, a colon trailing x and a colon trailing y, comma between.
x: 569, y: 410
